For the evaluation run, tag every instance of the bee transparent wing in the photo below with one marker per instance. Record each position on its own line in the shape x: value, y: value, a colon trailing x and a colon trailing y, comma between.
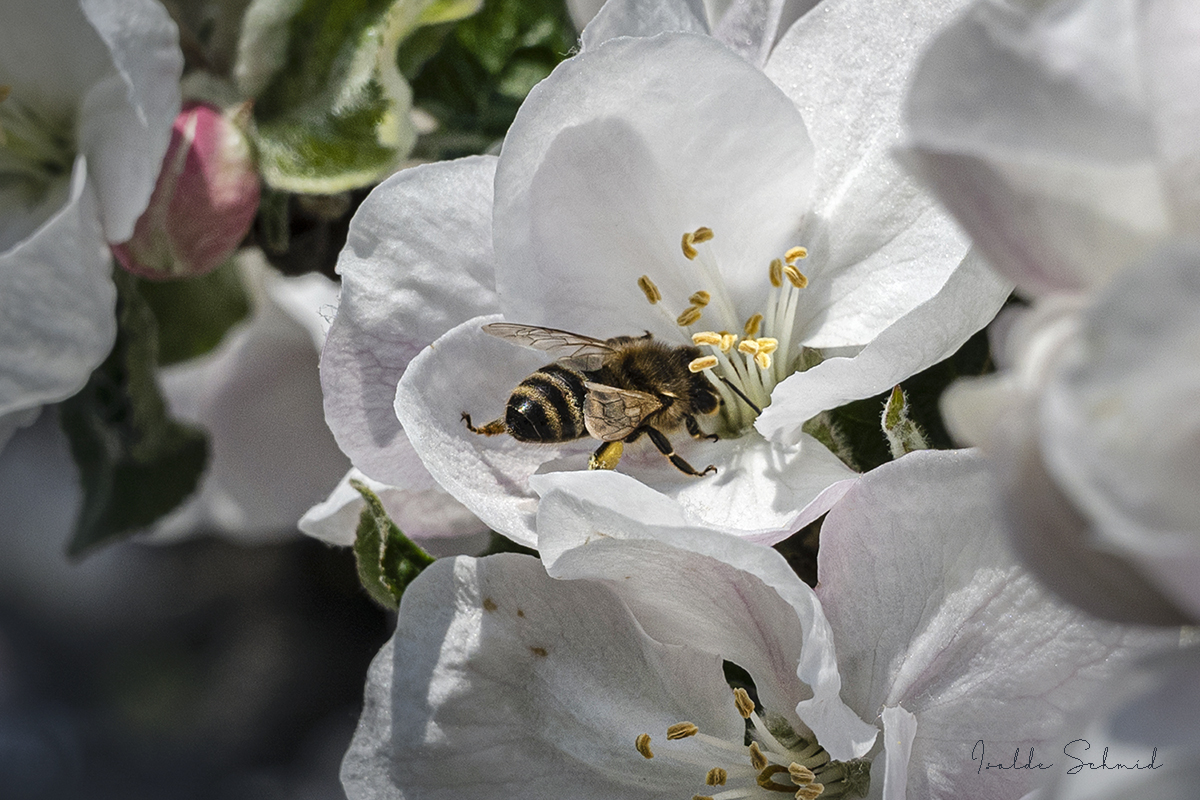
x: 570, y: 349
x: 610, y: 413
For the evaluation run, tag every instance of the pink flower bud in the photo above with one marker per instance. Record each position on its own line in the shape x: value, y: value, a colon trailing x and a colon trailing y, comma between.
x: 205, y: 199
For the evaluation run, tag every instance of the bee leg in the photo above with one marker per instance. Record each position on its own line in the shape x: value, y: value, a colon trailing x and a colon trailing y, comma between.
x: 664, y: 446
x: 693, y: 428
x: 491, y: 429
x: 607, y: 455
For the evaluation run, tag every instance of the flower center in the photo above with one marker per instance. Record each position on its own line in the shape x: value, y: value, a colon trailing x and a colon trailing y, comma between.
x: 37, y: 151
x: 772, y: 758
x: 744, y: 367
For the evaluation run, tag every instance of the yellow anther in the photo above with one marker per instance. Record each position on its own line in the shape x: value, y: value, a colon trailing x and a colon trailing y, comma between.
x: 776, y: 273
x: 689, y: 252
x: 810, y: 792
x: 682, y: 730
x: 649, y: 289
x: 689, y: 316
x: 795, y: 254
x: 702, y: 234
x: 728, y: 340
x: 745, y: 706
x: 768, y: 345
x: 752, y: 325
x: 757, y: 759
x: 711, y: 338
x: 795, y: 276
x: 716, y: 777
x: 763, y: 360
x: 700, y: 298
x: 642, y: 743
x: 702, y: 363
x: 748, y: 346
x: 801, y: 775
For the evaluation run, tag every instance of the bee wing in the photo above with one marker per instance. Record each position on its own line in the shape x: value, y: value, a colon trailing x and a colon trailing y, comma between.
x: 570, y: 349
x: 610, y: 413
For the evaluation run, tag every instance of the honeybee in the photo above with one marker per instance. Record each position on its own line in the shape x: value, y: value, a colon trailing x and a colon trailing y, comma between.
x: 613, y: 390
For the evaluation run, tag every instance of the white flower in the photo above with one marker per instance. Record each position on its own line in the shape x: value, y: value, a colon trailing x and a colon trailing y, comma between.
x: 501, y: 681
x: 90, y: 91
x: 621, y: 153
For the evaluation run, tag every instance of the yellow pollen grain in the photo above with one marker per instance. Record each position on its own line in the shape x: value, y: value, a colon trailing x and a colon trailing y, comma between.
x: 795, y: 254
x: 741, y: 699
x: 776, y: 273
x: 757, y: 759
x: 711, y: 338
x: 702, y: 234
x: 728, y: 340
x: 682, y: 730
x: 752, y: 325
x: 748, y: 346
x: 690, y: 316
x: 642, y: 743
x: 702, y: 363
x: 689, y: 252
x: 768, y: 345
x: 716, y: 777
x: 795, y: 276
x: 649, y: 289
x: 763, y: 360
x: 700, y: 298
x: 801, y: 775
x: 810, y: 792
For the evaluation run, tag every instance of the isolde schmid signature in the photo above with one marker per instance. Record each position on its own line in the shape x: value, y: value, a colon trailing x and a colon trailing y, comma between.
x: 1074, y: 750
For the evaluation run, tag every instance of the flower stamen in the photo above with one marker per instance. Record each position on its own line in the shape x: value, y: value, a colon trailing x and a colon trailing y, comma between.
x: 642, y: 743
x: 700, y: 298
x: 649, y: 289
x: 716, y: 777
x: 682, y: 730
x: 690, y: 316
x: 702, y: 363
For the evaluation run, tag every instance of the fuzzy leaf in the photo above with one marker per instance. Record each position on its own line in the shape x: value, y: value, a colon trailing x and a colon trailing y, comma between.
x: 193, y: 315
x: 387, y: 559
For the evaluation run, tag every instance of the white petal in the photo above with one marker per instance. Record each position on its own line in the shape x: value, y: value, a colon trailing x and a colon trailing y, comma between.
x: 752, y: 27
x: 421, y: 509
x: 1034, y: 131
x: 899, y: 729
x: 701, y: 587
x: 125, y: 124
x: 762, y: 491
x: 877, y: 243
x: 417, y: 262
x: 56, y: 305
x: 605, y: 169
x: 932, y: 612
x: 643, y: 18
x: 921, y: 338
x: 501, y: 682
x: 258, y: 397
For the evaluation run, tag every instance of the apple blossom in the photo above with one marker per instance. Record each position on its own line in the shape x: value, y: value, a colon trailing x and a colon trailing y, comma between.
x: 503, y: 680
x: 90, y: 89
x: 205, y: 199
x: 615, y: 209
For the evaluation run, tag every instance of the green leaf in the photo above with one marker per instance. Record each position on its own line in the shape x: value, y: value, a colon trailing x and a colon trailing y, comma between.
x: 193, y: 314
x: 331, y: 107
x: 902, y: 433
x: 136, y: 464
x: 387, y: 559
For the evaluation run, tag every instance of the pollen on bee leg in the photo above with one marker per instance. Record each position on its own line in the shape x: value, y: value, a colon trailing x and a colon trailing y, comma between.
x: 649, y: 289
x: 752, y: 325
x: 702, y: 363
x: 690, y: 316
x: 795, y: 254
x: 682, y: 730
x: 711, y: 338
x: 700, y: 298
x: 795, y: 276
x: 642, y: 743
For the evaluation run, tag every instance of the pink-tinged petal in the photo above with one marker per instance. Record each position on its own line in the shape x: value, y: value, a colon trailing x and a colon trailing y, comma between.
x: 57, y: 303
x: 417, y: 262
x: 501, y: 682
x: 704, y: 588
x: 1033, y: 130
x: 125, y: 124
x: 643, y: 18
x: 605, y: 169
x: 846, y: 64
x: 932, y: 612
x: 927, y: 334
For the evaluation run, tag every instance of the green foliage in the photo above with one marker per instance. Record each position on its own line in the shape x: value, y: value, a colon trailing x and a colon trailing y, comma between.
x: 903, y: 435
x: 193, y: 315
x: 136, y: 464
x: 387, y: 559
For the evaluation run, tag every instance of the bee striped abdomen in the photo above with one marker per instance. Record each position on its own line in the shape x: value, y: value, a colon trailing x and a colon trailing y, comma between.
x: 547, y: 406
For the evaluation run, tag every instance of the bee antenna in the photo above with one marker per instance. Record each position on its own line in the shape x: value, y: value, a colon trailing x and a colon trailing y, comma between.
x: 740, y: 394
